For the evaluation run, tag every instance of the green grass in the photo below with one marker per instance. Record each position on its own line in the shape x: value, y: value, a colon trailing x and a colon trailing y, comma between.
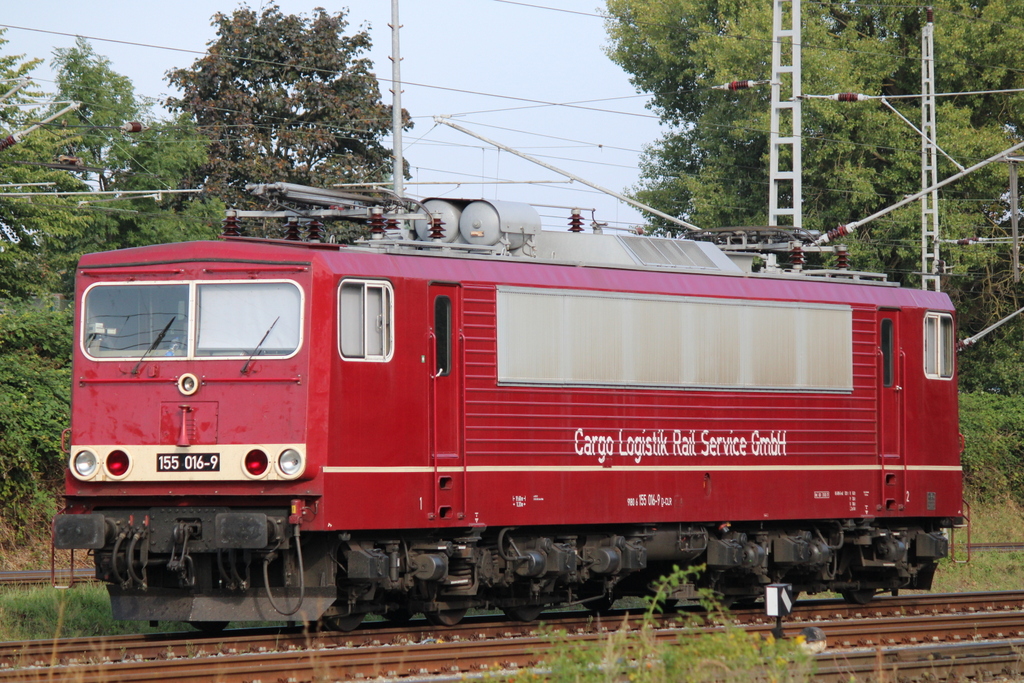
x: 991, y: 522
x: 32, y: 613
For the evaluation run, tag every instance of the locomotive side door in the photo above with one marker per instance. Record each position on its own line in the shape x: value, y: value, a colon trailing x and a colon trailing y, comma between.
x: 446, y: 411
x: 890, y: 411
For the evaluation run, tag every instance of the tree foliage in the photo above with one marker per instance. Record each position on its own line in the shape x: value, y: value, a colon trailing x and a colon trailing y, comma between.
x: 32, y: 232
x: 285, y: 98
x: 712, y: 165
x: 42, y: 237
x: 993, y: 459
x: 35, y: 393
x: 107, y: 101
x: 166, y: 155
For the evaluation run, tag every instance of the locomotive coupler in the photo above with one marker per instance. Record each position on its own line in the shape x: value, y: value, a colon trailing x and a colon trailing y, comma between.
x: 181, y: 561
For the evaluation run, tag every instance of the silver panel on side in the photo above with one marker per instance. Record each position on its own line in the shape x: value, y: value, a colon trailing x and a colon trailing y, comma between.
x: 571, y: 337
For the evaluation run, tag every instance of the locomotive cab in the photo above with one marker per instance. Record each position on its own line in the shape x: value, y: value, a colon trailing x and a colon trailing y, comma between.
x: 190, y: 454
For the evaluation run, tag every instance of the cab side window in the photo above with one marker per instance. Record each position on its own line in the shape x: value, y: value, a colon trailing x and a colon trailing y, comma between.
x: 365, y: 320
x: 939, y: 346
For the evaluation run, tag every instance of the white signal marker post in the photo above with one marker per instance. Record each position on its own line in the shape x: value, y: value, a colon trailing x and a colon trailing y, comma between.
x: 778, y: 603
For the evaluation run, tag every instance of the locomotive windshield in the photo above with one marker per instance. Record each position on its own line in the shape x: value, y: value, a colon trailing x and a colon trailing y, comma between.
x: 123, y: 321
x: 230, y: 320
x: 234, y: 318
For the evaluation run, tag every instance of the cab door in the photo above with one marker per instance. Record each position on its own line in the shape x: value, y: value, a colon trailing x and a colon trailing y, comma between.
x: 890, y: 412
x: 446, y: 398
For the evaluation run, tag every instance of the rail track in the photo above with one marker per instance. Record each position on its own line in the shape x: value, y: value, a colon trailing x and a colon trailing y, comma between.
x: 981, y: 628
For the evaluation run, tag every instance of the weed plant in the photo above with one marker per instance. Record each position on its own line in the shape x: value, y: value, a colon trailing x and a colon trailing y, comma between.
x: 640, y: 652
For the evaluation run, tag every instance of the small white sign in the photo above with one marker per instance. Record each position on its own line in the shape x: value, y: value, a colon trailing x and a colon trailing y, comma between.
x: 778, y: 599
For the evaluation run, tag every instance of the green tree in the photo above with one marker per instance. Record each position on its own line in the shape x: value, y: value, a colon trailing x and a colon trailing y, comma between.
x: 42, y: 238
x: 285, y: 98
x: 165, y: 155
x: 711, y: 166
x: 33, y: 231
x: 107, y: 100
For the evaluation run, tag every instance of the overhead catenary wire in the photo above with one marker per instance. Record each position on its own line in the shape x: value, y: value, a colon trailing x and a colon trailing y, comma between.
x: 539, y: 6
x: 612, y: 193
x: 605, y: 17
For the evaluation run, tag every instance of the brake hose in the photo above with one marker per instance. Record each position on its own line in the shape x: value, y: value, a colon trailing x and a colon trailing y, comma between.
x: 302, y: 579
x: 113, y: 556
x: 129, y: 558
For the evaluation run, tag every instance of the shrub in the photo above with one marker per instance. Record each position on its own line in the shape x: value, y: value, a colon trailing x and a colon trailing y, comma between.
x: 993, y: 459
x: 35, y: 395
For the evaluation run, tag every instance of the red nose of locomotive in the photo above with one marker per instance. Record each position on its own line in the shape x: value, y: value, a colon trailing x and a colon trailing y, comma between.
x: 188, y: 383
x: 190, y: 463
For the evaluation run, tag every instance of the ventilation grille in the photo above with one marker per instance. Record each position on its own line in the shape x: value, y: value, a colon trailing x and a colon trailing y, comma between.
x: 662, y: 251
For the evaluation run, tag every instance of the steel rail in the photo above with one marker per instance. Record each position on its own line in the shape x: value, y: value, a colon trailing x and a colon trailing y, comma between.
x: 149, y: 646
x: 408, y: 651
x: 348, y: 662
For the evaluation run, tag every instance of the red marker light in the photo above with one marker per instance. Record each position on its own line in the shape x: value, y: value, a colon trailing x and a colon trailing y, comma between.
x: 117, y: 463
x: 256, y: 462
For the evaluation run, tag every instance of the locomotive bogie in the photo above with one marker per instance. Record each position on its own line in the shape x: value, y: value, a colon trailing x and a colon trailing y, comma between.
x: 395, y: 430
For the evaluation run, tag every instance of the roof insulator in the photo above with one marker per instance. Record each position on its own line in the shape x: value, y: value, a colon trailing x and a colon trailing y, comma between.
x: 291, y: 230
x: 576, y: 221
x: 313, y: 231
x: 796, y: 256
x: 231, y: 225
x: 376, y: 222
x: 436, y: 229
x: 842, y: 257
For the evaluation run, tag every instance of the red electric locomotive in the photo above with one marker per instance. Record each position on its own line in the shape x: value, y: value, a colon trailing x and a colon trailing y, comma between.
x: 495, y: 415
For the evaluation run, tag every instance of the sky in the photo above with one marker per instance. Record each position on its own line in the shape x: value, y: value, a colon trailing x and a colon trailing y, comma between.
x: 532, y: 75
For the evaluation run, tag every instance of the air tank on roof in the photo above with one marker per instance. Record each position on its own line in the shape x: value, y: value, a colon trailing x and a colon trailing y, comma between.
x: 449, y: 211
x: 484, y: 222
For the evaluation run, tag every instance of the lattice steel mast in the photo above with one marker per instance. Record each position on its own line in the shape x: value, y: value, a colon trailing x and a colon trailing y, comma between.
x: 929, y: 161
x: 785, y: 193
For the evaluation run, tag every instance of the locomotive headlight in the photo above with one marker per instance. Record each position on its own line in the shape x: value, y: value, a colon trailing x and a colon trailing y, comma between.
x: 188, y: 384
x: 290, y: 462
x: 85, y: 463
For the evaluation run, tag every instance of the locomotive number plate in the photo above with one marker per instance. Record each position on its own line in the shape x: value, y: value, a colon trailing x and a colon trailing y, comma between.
x: 188, y: 462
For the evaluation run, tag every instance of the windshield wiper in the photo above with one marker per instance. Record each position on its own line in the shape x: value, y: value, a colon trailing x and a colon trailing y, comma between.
x: 257, y: 349
x: 156, y: 343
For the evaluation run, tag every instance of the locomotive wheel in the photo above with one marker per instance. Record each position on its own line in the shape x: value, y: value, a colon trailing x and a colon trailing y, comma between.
x: 523, y: 612
x: 344, y: 624
x: 446, y: 617
x: 209, y: 626
x: 861, y: 597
